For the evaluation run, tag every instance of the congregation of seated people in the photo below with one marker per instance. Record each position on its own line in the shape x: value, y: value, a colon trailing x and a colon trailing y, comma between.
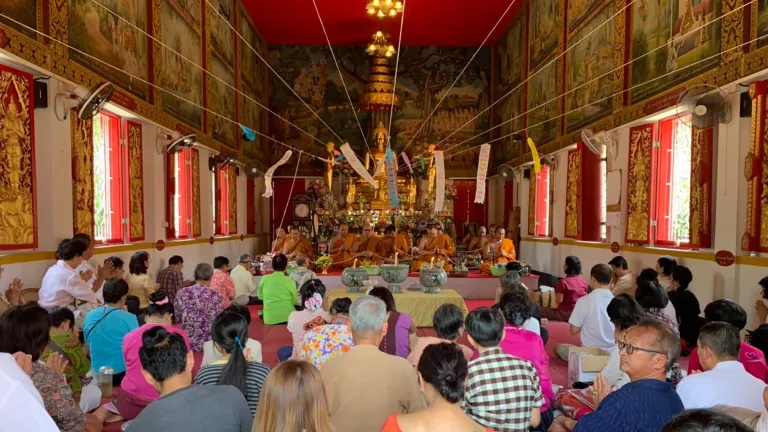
x: 363, y: 365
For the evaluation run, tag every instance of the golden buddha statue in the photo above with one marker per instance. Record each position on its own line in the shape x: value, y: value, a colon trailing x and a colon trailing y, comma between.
x: 330, y: 148
x: 432, y: 170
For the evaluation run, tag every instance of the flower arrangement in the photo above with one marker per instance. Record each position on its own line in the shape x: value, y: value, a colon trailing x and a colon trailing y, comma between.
x: 450, y: 192
x: 324, y: 262
x: 343, y: 168
x: 316, y: 189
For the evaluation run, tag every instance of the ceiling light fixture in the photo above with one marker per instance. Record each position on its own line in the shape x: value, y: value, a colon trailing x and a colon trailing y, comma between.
x: 380, y: 46
x: 384, y: 8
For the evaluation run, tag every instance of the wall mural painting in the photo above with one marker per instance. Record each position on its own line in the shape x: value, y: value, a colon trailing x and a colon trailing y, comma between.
x: 511, y: 54
x: 511, y: 107
x: 762, y: 23
x: 23, y: 11
x: 177, y: 75
x: 543, y: 30
x: 105, y: 30
x: 221, y: 100
x: 220, y: 14
x: 424, y: 74
x: 17, y: 173
x: 588, y: 70
x: 580, y: 10
x: 254, y: 117
x: 542, y: 87
x: 253, y: 70
x: 685, y: 33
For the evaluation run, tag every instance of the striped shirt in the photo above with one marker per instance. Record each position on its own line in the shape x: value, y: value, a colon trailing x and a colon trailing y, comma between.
x: 502, y: 391
x: 255, y: 375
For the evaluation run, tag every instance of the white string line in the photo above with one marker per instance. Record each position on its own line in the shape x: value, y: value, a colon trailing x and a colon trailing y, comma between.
x: 603, y: 75
x: 207, y: 72
x: 155, y: 86
x: 740, y: 46
x: 596, y: 79
x: 570, y: 46
x: 290, y: 194
x: 341, y: 75
x: 460, y: 74
x: 394, y: 84
x: 273, y: 70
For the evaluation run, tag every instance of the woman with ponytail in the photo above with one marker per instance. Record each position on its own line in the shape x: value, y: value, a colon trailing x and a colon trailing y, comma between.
x: 230, y: 333
x: 312, y: 293
x: 442, y: 376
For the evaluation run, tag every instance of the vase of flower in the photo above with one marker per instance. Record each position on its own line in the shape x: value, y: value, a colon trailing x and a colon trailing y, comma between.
x: 324, y: 262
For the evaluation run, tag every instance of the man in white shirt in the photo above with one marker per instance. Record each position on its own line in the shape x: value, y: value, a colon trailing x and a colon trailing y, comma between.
x: 624, y: 280
x: 724, y: 380
x: 21, y: 407
x: 590, y: 315
x: 242, y: 278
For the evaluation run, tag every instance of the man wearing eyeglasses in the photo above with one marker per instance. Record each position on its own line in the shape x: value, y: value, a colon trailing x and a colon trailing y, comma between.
x: 648, y: 402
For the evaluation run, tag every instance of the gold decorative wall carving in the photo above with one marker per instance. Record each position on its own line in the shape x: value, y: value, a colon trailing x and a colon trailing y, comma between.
x: 700, y: 220
x: 18, y: 227
x: 232, y: 187
x: 135, y: 182
x: 639, y: 184
x: 755, y: 169
x: 82, y: 174
x: 196, y: 193
x: 572, y: 194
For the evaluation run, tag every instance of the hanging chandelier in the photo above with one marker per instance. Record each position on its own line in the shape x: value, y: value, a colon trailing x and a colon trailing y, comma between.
x: 384, y: 8
x: 380, y: 46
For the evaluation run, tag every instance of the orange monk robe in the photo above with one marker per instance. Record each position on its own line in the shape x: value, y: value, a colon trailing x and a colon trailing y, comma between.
x: 279, y: 245
x: 449, y: 248
x: 403, y: 244
x: 508, y: 246
x: 442, y: 242
x: 343, y: 258
x: 385, y: 250
x: 369, y: 244
x: 303, y: 247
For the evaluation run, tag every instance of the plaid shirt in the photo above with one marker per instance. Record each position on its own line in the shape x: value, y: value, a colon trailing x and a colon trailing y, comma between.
x: 502, y: 391
x: 171, y: 281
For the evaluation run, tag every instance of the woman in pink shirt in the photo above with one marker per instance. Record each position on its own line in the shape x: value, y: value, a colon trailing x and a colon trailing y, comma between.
x: 567, y: 291
x: 135, y: 392
x: 752, y: 358
x: 518, y: 342
x: 312, y: 293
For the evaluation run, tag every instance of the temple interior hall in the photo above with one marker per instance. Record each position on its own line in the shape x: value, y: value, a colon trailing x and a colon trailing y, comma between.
x: 417, y: 145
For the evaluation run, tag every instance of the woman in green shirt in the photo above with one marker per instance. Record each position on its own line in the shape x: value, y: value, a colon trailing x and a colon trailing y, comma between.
x: 65, y: 339
x: 278, y: 292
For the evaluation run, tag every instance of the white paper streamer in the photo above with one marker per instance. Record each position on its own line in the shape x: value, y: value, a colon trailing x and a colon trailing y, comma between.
x: 379, y: 168
x: 268, y: 176
x: 356, y: 165
x: 482, y: 171
x: 440, y: 180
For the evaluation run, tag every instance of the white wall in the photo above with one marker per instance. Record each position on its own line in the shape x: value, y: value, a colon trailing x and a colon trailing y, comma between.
x: 54, y: 203
x: 711, y: 281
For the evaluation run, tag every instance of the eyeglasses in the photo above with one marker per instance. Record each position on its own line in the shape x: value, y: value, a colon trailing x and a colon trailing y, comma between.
x: 629, y: 349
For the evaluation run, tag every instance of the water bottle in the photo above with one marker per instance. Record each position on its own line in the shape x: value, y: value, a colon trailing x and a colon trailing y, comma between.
x: 104, y: 380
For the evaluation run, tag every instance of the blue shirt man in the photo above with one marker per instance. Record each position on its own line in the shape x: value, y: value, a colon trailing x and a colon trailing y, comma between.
x: 104, y: 330
x: 648, y: 402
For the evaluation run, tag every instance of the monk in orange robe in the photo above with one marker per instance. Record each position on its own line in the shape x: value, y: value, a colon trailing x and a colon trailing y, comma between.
x: 432, y: 246
x: 279, y: 243
x: 403, y: 242
x: 297, y: 244
x: 387, y: 246
x: 501, y: 249
x: 365, y: 246
x: 341, y: 247
x: 450, y: 247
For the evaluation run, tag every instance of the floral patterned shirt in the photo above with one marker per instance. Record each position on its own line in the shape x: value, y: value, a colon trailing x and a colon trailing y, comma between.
x: 222, y: 283
x: 58, y: 400
x: 324, y: 342
x: 196, y: 306
x: 78, y: 363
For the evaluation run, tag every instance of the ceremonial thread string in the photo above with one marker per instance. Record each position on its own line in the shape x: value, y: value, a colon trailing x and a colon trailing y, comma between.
x: 394, y: 84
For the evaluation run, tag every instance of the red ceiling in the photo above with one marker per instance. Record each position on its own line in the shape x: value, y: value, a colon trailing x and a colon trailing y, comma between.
x: 427, y: 22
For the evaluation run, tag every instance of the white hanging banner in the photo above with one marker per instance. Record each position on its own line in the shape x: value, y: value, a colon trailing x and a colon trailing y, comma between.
x: 482, y: 171
x: 356, y: 165
x: 379, y: 168
x: 268, y: 176
x: 440, y: 180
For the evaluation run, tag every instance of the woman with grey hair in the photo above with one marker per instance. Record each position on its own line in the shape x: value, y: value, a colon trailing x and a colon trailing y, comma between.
x: 197, y: 306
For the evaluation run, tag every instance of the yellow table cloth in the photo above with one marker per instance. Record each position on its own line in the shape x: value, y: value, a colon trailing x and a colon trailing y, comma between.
x: 419, y: 305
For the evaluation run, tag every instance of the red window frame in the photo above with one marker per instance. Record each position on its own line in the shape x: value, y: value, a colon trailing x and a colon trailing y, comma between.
x: 116, y: 163
x: 221, y: 215
x: 542, y: 202
x: 183, y: 188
